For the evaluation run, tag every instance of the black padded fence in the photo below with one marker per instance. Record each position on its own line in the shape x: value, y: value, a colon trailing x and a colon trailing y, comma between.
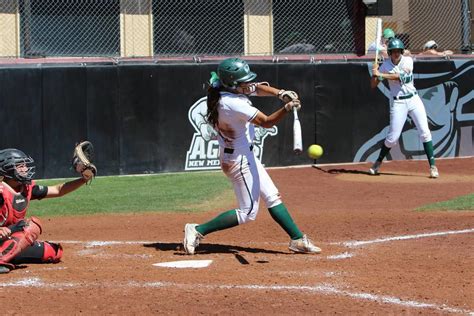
x: 148, y: 118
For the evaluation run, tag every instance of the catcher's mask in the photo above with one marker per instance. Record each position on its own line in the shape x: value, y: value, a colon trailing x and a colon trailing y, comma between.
x: 232, y: 71
x: 16, y: 165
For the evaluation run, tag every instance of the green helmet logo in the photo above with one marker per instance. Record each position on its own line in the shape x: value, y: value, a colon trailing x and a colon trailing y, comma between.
x: 388, y: 33
x: 395, y: 43
x: 232, y: 71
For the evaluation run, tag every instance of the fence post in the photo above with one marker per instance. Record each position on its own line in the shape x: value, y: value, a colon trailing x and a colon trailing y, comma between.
x: 136, y: 28
x: 9, y: 28
x: 466, y: 27
x: 258, y: 27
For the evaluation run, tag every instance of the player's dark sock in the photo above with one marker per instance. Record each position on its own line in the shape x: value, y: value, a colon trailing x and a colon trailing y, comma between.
x: 428, y: 146
x: 280, y: 214
x: 224, y: 220
x: 383, y: 152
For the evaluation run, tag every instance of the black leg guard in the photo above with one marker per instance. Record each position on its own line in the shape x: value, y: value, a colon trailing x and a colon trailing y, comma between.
x: 40, y: 252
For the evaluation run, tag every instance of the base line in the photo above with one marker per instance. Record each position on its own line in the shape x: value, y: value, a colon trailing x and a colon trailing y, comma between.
x: 352, y: 244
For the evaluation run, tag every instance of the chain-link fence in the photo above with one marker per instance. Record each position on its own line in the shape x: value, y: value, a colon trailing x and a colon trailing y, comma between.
x: 415, y: 22
x: 144, y: 28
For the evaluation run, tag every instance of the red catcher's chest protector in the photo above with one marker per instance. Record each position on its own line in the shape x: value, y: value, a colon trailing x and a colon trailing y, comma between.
x: 15, y: 204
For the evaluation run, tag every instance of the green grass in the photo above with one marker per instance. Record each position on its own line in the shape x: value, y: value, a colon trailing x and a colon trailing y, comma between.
x: 195, y: 191
x: 461, y: 203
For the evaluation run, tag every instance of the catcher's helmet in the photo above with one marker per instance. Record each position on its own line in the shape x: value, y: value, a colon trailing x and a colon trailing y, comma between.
x: 232, y: 71
x: 388, y: 33
x: 395, y: 43
x: 10, y: 159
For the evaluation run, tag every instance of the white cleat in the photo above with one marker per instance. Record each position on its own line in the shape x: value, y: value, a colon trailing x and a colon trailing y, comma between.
x: 191, y: 238
x: 303, y: 245
x: 434, y: 172
x: 375, y: 168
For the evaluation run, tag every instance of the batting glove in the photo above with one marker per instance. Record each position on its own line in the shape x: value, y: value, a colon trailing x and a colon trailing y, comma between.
x: 293, y: 104
x: 287, y: 95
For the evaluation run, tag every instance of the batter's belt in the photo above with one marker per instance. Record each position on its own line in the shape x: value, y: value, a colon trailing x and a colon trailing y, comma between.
x: 406, y: 96
x: 231, y: 150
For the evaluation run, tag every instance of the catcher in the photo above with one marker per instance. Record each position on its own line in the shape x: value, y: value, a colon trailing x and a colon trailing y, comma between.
x: 18, y: 234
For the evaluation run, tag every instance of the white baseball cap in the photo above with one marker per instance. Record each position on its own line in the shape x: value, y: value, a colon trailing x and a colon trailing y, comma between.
x: 430, y: 44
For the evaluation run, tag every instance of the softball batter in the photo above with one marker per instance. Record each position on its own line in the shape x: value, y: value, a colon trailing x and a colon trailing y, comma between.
x: 398, y: 70
x: 231, y: 113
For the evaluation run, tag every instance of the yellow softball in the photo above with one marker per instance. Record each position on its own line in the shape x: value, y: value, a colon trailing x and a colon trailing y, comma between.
x: 315, y: 151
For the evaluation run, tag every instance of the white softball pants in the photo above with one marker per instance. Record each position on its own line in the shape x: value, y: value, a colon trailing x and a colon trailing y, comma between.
x: 250, y: 181
x: 398, y: 115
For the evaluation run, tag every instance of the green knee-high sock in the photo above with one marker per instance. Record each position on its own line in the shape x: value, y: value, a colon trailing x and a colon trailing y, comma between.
x: 280, y: 214
x: 428, y: 146
x: 383, y: 152
x: 225, y: 220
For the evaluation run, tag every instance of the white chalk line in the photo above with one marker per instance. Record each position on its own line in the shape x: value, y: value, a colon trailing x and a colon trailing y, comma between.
x: 104, y: 243
x: 325, y: 289
x: 353, y: 244
x: 344, y: 255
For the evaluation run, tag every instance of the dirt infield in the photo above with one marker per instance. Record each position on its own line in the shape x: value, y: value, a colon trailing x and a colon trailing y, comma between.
x: 379, y: 256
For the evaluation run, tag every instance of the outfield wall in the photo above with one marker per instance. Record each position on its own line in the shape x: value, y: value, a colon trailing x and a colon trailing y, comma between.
x: 148, y: 118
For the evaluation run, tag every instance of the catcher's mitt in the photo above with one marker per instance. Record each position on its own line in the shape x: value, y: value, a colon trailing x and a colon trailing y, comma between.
x: 82, y: 159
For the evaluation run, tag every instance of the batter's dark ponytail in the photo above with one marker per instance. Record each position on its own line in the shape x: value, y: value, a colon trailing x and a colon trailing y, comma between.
x: 213, y: 96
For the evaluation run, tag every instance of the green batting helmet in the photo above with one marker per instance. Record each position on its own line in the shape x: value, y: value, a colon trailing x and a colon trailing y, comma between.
x: 395, y: 43
x: 232, y: 71
x: 388, y: 33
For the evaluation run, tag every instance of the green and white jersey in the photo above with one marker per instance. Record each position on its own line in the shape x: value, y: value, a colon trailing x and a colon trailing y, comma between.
x: 235, y: 113
x: 405, y: 85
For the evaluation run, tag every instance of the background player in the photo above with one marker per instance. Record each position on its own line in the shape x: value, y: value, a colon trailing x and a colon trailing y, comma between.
x: 17, y: 234
x: 232, y: 114
x: 398, y: 70
x: 431, y: 48
x: 386, y: 36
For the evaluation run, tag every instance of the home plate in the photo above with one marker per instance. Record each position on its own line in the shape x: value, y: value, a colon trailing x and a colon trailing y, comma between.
x: 184, y: 264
